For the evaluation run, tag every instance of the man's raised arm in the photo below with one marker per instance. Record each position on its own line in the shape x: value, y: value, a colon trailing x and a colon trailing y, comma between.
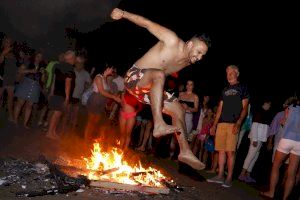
x: 162, y: 33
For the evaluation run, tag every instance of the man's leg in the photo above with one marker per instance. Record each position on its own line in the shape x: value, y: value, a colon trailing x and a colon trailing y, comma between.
x: 291, y: 174
x: 186, y: 155
x: 10, y: 102
x: 155, y: 79
x: 146, y: 135
x: 74, y: 114
x: 28, y: 109
x: 230, y: 165
x: 1, y: 95
x: 279, y: 158
x: 53, y: 124
x: 221, y: 162
x: 18, y: 108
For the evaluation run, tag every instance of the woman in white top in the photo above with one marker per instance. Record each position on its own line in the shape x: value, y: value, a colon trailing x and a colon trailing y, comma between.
x: 190, y: 103
x: 97, y: 101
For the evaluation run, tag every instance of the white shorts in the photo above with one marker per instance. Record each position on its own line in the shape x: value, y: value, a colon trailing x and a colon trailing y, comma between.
x: 289, y: 146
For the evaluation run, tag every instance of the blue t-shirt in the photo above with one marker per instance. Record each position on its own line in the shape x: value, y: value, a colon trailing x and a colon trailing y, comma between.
x: 291, y: 128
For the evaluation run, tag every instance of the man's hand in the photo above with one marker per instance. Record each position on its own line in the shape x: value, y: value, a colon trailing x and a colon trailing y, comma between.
x: 213, y: 130
x: 66, y: 102
x: 6, y: 50
x: 254, y: 143
x: 117, y: 14
x: 118, y: 99
x: 236, y: 128
x: 269, y: 146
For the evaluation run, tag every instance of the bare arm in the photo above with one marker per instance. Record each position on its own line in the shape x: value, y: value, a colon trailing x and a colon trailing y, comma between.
x: 1, y: 58
x: 68, y: 82
x: 163, y: 34
x: 23, y: 70
x: 243, y: 114
x: 218, y: 114
x: 196, y: 105
x: 5, y: 51
x: 98, y: 81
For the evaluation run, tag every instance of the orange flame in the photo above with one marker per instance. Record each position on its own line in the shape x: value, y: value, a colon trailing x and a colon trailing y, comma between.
x: 110, y: 166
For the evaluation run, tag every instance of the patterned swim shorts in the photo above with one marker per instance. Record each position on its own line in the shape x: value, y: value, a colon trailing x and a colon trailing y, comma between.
x: 132, y: 77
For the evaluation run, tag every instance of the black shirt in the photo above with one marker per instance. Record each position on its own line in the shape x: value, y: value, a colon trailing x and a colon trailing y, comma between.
x: 63, y: 71
x: 232, y: 97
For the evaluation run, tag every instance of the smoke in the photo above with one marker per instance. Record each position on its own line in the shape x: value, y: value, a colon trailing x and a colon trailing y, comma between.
x: 42, y: 23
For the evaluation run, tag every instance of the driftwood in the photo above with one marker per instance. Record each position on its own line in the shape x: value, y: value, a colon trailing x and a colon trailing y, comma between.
x: 122, y: 186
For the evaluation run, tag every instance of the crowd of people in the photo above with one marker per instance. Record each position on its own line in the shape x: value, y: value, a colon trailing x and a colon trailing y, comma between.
x: 202, y: 135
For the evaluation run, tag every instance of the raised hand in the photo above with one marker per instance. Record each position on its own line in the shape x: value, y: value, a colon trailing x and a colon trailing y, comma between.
x: 117, y: 14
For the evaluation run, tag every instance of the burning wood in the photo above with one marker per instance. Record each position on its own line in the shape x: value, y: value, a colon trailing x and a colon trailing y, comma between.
x: 119, y: 171
x: 138, y: 188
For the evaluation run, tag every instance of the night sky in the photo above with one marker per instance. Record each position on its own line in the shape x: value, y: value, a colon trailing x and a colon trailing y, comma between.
x: 258, y: 37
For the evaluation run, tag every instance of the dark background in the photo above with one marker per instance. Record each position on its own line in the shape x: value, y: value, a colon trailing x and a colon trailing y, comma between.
x: 260, y: 38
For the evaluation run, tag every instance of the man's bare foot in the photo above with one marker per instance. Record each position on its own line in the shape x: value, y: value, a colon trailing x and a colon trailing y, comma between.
x: 190, y: 159
x: 26, y: 126
x: 267, y: 194
x: 211, y: 171
x: 141, y: 149
x: 161, y: 130
x: 52, y: 136
x: 11, y: 119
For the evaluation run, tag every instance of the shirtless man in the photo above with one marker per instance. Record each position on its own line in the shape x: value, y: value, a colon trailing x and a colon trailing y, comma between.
x: 145, y: 79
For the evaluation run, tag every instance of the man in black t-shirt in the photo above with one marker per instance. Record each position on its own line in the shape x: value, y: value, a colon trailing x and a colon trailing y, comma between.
x: 231, y: 112
x: 62, y: 88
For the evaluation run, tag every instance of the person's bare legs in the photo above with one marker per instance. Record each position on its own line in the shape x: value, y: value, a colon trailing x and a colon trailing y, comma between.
x: 291, y: 175
x: 221, y: 161
x: 186, y: 155
x: 298, y: 175
x: 155, y: 79
x: 142, y: 133
x: 147, y: 132
x: 10, y: 102
x: 42, y: 115
x: 126, y: 125
x: 74, y: 115
x: 230, y: 164
x: 91, y: 127
x: 51, y: 133
x: 18, y: 108
x: 201, y: 150
x: 28, y: 109
x: 1, y: 95
x: 196, y: 146
x: 278, y: 160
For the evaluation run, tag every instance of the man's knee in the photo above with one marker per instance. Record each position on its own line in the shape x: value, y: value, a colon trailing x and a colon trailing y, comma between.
x: 175, y: 110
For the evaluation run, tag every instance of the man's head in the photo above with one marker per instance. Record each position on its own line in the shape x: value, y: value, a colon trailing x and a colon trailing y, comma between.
x: 38, y: 57
x: 79, y: 64
x: 290, y: 101
x: 267, y: 104
x: 61, y: 57
x: 232, y: 73
x: 70, y: 57
x: 197, y: 47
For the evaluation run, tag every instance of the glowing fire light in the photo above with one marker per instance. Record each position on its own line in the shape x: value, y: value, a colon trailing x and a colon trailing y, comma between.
x: 110, y: 166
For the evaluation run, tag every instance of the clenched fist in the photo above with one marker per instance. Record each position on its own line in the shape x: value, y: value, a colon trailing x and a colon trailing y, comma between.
x: 117, y: 14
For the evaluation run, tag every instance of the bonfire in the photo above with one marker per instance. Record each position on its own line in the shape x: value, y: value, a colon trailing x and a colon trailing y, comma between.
x: 111, y: 166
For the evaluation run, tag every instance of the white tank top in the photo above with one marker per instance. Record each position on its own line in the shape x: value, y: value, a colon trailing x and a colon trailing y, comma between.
x: 105, y: 86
